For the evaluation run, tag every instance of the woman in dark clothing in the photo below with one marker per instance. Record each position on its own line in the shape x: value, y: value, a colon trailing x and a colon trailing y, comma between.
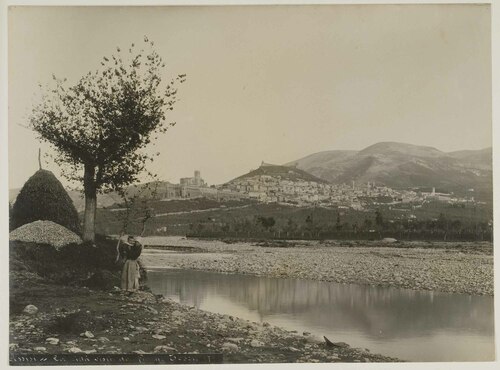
x: 130, y: 250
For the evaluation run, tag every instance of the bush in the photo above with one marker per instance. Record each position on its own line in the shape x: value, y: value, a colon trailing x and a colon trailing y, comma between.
x: 44, y: 198
x: 73, y: 264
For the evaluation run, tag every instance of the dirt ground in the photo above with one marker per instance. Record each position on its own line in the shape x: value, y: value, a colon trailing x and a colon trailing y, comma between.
x: 80, y: 320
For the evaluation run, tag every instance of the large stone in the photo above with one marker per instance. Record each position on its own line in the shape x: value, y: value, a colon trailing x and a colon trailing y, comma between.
x: 30, y: 309
x: 230, y: 347
x: 389, y: 240
x: 256, y: 343
x: 313, y: 339
x: 176, y: 313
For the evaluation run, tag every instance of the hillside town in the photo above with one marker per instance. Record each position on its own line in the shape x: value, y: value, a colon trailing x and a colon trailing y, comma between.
x: 282, y: 187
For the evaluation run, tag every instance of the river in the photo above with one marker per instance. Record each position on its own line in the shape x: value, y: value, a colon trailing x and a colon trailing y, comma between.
x: 411, y: 325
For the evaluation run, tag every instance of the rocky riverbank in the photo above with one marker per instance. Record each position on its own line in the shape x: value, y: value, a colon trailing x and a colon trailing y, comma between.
x: 49, y: 318
x: 447, y: 267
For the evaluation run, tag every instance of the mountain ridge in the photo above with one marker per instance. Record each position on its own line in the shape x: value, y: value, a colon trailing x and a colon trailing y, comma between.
x: 402, y: 165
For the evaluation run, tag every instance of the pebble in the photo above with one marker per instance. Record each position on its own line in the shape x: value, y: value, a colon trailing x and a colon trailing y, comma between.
x: 164, y: 349
x: 152, y: 310
x: 74, y: 350
x: 40, y: 349
x: 53, y: 341
x: 158, y: 336
x: 88, y: 334
x: 235, y: 340
x: 13, y: 346
x: 256, y: 343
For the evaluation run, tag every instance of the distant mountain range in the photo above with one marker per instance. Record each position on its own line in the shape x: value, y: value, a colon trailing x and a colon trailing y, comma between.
x: 396, y: 165
x: 401, y: 165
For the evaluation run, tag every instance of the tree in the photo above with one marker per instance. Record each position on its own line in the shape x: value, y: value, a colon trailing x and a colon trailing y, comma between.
x: 99, y: 125
x: 379, y: 219
x: 44, y: 198
x: 367, y: 223
x: 266, y: 222
x: 338, y: 224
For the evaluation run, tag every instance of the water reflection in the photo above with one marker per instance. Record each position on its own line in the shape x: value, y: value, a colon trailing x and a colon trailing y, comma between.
x: 419, y: 326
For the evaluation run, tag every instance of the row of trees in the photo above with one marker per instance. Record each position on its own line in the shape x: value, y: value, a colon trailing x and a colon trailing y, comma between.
x: 268, y: 227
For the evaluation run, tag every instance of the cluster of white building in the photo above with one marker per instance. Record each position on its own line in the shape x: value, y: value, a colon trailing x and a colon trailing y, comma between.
x: 276, y: 189
x: 270, y: 189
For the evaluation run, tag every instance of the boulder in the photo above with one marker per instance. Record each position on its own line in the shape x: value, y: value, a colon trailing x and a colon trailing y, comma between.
x: 230, y: 347
x: 389, y: 240
x: 30, y: 309
x: 313, y: 339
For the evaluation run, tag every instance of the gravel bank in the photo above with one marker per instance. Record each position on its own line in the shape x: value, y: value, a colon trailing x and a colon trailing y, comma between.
x: 45, y: 232
x: 447, y: 267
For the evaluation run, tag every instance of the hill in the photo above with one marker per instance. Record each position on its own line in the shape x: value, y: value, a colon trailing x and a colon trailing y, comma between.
x: 402, y: 165
x: 287, y: 172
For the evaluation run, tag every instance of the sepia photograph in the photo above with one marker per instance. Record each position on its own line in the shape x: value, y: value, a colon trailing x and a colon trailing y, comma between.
x: 250, y: 184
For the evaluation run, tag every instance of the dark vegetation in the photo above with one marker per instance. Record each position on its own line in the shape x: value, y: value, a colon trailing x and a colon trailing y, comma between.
x: 44, y: 198
x: 244, y: 219
x: 78, y: 265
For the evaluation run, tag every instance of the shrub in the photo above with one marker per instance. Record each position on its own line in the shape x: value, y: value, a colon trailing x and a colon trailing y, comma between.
x: 44, y: 198
x: 73, y: 264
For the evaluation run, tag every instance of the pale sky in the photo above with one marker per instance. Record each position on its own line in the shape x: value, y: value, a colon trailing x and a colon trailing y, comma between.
x: 272, y: 83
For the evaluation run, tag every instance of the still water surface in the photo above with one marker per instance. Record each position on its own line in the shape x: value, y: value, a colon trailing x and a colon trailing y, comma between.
x: 410, y: 325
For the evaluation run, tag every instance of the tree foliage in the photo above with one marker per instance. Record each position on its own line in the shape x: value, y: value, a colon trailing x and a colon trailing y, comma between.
x: 266, y: 222
x: 100, y: 126
x: 44, y: 198
x: 107, y: 116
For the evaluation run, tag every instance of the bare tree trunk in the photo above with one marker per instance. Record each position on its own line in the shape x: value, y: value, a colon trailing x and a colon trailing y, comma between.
x: 90, y: 204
